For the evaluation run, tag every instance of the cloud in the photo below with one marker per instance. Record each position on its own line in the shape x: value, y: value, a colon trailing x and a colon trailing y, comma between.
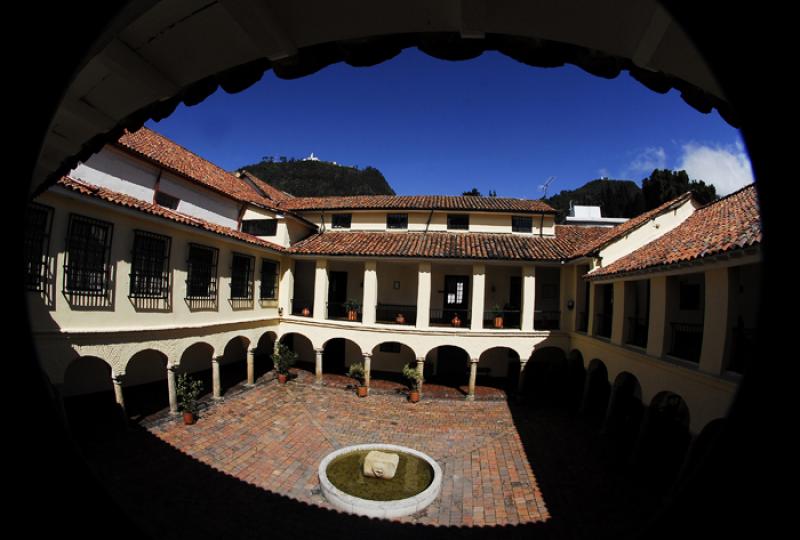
x: 644, y: 163
x: 726, y: 167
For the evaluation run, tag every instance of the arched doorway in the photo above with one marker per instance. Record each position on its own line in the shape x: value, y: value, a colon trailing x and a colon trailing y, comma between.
x: 449, y: 367
x: 625, y: 411
x: 498, y: 367
x: 145, y: 384
x: 263, y: 354
x: 300, y: 344
x: 596, y: 392
x: 664, y: 439
x: 388, y: 360
x: 233, y: 364
x: 546, y: 377
x: 196, y: 361
x: 88, y: 394
x: 576, y: 380
x: 338, y: 354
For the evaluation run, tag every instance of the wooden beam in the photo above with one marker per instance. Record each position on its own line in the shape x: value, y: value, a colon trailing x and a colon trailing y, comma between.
x: 265, y: 31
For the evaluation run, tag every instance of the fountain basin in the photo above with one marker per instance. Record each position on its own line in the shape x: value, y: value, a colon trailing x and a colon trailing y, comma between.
x: 379, y: 508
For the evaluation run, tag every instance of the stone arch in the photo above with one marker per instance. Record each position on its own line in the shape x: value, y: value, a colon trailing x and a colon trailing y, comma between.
x: 388, y: 360
x: 196, y: 361
x: 303, y: 346
x: 233, y: 363
x: 625, y: 409
x: 448, y: 365
x: 262, y: 357
x: 499, y: 367
x: 597, y: 391
x: 576, y: 379
x: 145, y: 383
x: 700, y: 448
x: 545, y: 377
x: 664, y: 439
x: 88, y: 394
x: 338, y: 353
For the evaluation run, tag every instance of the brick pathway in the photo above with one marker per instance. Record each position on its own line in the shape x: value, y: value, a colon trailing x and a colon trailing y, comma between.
x: 274, y: 437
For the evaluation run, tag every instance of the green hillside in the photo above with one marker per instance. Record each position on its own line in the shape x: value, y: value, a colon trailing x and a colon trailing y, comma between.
x: 320, y: 178
x: 617, y: 198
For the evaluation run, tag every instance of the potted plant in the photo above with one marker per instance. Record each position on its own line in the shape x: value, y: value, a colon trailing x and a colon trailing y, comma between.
x: 356, y: 372
x: 351, y: 306
x: 400, y: 319
x: 455, y: 321
x: 305, y: 312
x: 498, y: 316
x: 188, y: 390
x: 283, y: 358
x: 414, y: 379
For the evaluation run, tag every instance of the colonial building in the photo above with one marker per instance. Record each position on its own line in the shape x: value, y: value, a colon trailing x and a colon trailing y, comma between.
x: 147, y: 260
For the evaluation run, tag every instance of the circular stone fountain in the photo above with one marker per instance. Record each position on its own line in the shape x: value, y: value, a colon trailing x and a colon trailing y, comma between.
x: 418, y: 481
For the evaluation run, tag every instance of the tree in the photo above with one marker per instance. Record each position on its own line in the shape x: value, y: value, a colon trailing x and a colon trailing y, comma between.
x: 663, y: 185
x: 473, y: 193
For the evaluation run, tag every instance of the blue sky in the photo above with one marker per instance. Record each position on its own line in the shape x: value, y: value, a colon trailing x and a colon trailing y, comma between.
x: 439, y: 127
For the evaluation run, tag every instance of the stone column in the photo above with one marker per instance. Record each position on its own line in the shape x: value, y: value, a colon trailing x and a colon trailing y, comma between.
x: 715, y: 321
x: 567, y: 293
x: 367, y: 368
x: 421, y: 371
x: 216, y: 387
x: 478, y: 295
x: 172, y: 388
x: 590, y: 314
x: 521, y: 381
x: 321, y: 290
x: 618, y: 313
x: 116, y: 378
x: 318, y: 366
x: 251, y: 367
x: 423, y: 295
x: 656, y: 339
x: 473, y: 374
x: 370, y: 300
x: 286, y: 286
x: 528, y: 297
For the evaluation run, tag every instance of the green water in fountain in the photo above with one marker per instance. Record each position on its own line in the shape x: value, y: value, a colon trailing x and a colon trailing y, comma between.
x: 413, y: 476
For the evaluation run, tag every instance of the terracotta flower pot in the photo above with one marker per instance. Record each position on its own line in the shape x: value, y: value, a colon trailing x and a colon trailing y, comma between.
x: 282, y: 378
x: 188, y: 418
x: 362, y: 391
x: 306, y: 312
x: 413, y: 396
x: 400, y: 319
x: 352, y: 315
x: 455, y: 321
x: 498, y: 322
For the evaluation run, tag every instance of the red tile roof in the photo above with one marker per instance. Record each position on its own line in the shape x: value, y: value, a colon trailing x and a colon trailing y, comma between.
x: 130, y: 202
x: 417, y: 202
x: 615, y: 233
x: 722, y: 226
x: 156, y: 148
x: 272, y: 192
x: 579, y: 237
x: 434, y: 245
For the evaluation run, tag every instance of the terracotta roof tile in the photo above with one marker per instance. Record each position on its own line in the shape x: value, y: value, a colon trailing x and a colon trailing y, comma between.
x: 130, y: 202
x: 270, y: 191
x: 434, y: 245
x: 579, y: 237
x: 725, y: 225
x: 624, y: 228
x: 417, y: 202
x: 150, y: 145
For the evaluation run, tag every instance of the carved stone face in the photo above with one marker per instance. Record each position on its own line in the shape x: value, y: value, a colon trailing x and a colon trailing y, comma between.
x: 380, y: 465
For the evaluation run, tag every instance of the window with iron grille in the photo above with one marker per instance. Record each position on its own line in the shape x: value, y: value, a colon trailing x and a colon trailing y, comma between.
x: 458, y: 221
x: 150, y: 273
x: 521, y: 224
x: 397, y: 221
x: 201, y: 282
x: 38, y: 223
x: 260, y: 227
x: 167, y: 201
x: 242, y: 277
x: 269, y: 280
x: 87, y: 258
x: 341, y: 221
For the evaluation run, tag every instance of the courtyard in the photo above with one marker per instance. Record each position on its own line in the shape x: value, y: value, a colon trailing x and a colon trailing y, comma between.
x: 249, y: 466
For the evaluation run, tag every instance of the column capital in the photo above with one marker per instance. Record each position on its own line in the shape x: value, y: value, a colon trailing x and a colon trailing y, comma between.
x: 420, y: 359
x: 473, y: 360
x: 319, y: 350
x: 216, y: 359
x: 253, y: 350
x: 367, y: 355
x: 116, y: 378
x: 172, y: 367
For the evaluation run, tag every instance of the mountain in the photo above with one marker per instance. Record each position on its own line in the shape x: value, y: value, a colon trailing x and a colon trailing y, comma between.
x: 312, y: 178
x: 616, y: 198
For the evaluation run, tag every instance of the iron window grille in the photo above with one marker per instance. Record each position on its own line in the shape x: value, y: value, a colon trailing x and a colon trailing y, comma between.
x: 269, y: 280
x: 87, y: 265
x: 150, y: 274
x: 260, y: 227
x: 459, y: 222
x: 523, y: 224
x: 167, y: 201
x: 341, y: 221
x: 38, y: 225
x: 201, y: 281
x: 242, y: 277
x: 397, y: 221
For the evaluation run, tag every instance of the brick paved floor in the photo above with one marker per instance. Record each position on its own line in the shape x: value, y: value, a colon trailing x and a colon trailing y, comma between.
x: 274, y: 437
